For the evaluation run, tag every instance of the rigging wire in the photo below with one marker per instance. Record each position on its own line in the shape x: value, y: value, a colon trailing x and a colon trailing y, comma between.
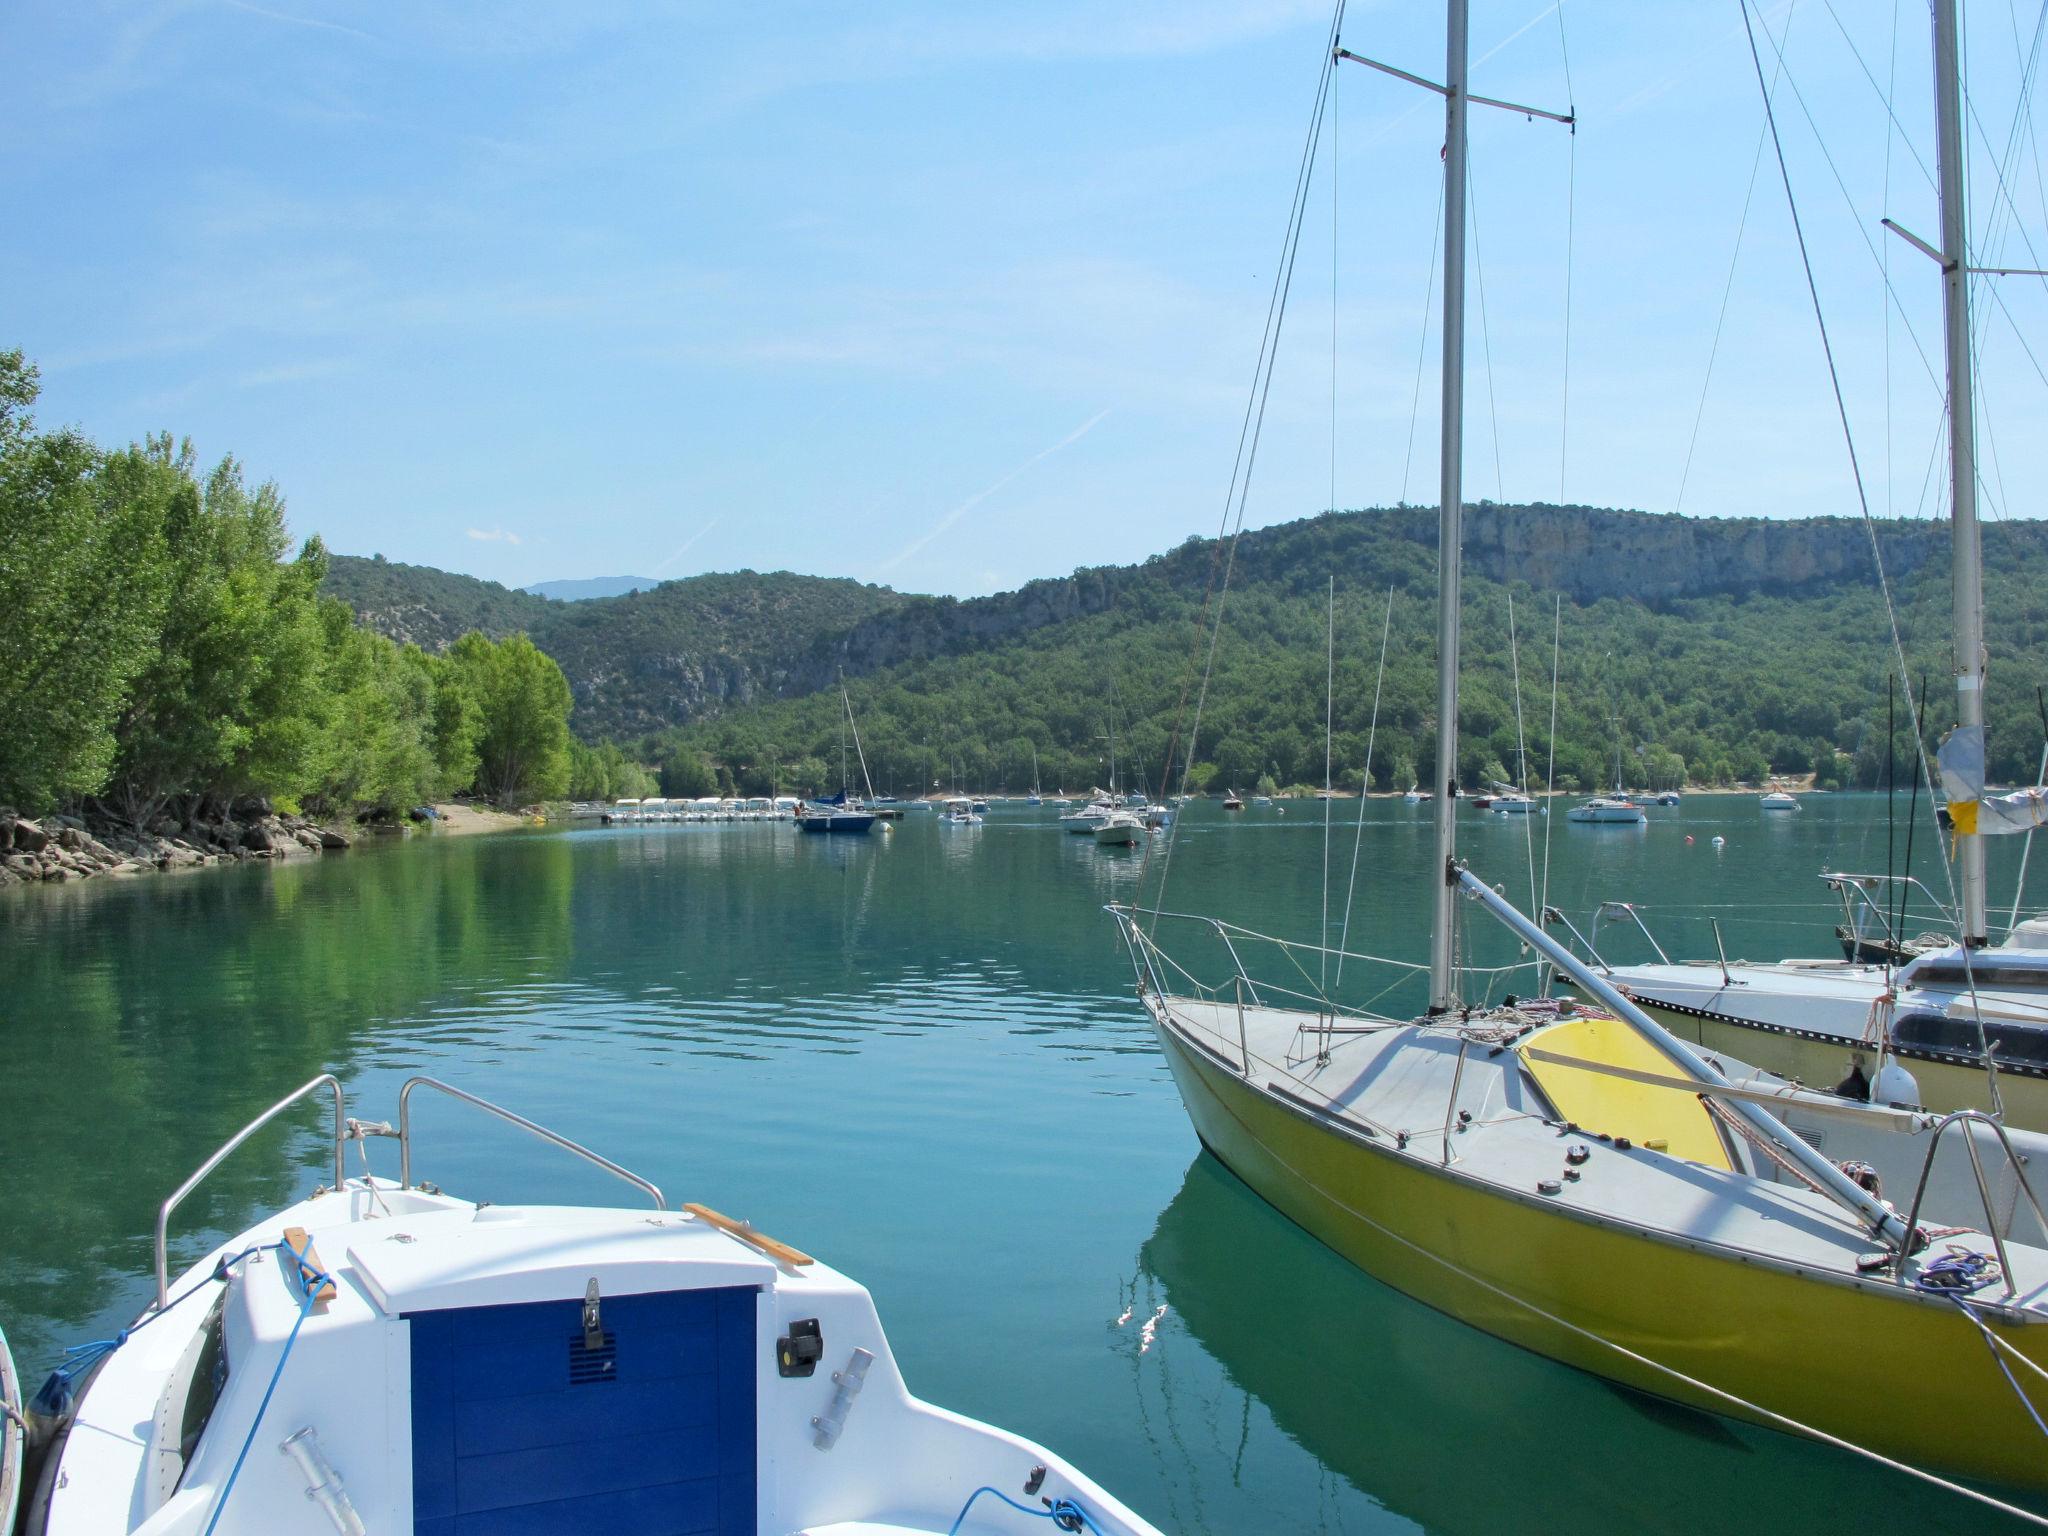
x: 1893, y: 131
x: 1571, y: 206
x: 1521, y: 747
x: 1727, y: 291
x: 1848, y: 435
x: 1485, y: 334
x: 1329, y: 740
x: 1827, y: 156
x: 1422, y: 346
x: 1239, y: 487
x: 1550, y: 772
x: 1365, y: 783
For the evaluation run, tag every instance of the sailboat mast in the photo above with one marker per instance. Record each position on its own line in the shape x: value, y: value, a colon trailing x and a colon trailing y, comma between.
x: 1968, y: 554
x: 1443, y: 985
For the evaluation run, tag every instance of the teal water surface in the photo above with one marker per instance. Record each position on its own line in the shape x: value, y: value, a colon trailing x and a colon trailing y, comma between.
x: 917, y: 1056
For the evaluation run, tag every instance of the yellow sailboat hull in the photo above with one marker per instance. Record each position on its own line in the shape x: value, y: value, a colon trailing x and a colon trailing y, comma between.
x: 1895, y: 1372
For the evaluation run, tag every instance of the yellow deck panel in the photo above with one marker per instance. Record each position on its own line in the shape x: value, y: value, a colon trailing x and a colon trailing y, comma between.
x: 1645, y: 1114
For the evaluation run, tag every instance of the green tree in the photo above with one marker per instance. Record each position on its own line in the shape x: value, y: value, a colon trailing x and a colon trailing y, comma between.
x: 523, y: 704
x: 82, y: 584
x: 686, y: 775
x: 378, y: 741
x: 230, y: 702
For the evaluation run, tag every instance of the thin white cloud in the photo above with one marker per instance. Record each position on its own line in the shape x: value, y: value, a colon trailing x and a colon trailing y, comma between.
x: 918, y: 544
x: 494, y: 536
x: 298, y: 21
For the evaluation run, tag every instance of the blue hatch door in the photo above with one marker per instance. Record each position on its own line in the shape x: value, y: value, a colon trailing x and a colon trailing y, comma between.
x: 520, y: 1429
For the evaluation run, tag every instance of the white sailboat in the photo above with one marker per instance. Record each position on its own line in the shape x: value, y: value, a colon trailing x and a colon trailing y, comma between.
x: 1970, y: 1021
x: 1589, y: 1186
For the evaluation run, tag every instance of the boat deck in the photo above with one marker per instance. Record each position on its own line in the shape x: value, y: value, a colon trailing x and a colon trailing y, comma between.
x: 1462, y: 1099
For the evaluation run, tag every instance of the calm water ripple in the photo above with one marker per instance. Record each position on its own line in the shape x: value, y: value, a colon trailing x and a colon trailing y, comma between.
x: 916, y: 1055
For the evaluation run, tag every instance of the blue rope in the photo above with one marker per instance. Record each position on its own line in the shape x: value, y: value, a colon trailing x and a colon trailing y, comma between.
x: 54, y: 1396
x: 1958, y: 1273
x: 1065, y: 1513
x: 310, y: 1281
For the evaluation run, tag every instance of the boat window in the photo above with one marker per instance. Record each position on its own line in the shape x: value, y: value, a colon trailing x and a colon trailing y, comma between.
x: 1988, y: 971
x: 2017, y: 1045
x: 209, y: 1379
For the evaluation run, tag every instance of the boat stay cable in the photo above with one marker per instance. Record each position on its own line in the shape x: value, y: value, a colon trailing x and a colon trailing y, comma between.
x: 1550, y: 769
x: 1721, y: 320
x: 1891, y: 611
x: 1365, y: 783
x: 1231, y: 528
x: 1521, y: 748
x: 1571, y: 215
x: 1848, y: 433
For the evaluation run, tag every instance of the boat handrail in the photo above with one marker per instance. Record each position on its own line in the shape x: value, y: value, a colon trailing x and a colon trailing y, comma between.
x: 1627, y: 909
x: 1556, y: 915
x: 1854, y: 888
x: 163, y: 1212
x: 1237, y: 931
x: 1968, y: 1117
x: 1148, y: 957
x: 532, y: 1128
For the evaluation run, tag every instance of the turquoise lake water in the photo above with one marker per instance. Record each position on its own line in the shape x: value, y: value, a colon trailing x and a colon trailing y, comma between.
x: 917, y: 1056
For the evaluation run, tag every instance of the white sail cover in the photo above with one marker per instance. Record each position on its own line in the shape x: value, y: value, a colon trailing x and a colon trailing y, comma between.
x: 1961, y: 761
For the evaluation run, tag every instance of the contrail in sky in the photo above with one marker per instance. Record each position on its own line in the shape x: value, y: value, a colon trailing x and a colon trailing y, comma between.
x: 918, y: 544
x: 685, y: 549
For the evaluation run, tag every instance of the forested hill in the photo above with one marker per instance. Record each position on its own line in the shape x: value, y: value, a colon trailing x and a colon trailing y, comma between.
x: 639, y: 661
x: 1728, y: 648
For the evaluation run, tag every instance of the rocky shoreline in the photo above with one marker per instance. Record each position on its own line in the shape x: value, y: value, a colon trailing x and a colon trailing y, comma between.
x: 59, y: 848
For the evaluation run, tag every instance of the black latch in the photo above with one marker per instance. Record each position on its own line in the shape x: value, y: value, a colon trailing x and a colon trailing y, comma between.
x: 593, y: 1323
x: 798, y: 1351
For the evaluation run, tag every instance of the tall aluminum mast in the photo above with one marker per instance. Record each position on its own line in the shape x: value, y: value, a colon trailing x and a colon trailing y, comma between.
x: 1443, y: 980
x: 1968, y: 553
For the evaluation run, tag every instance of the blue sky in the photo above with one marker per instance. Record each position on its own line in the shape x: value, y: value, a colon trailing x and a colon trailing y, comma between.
x: 951, y: 296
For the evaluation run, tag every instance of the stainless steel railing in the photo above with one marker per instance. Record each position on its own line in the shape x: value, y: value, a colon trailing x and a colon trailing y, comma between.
x: 1967, y: 1118
x: 552, y: 1138
x: 344, y: 1128
x: 163, y: 1213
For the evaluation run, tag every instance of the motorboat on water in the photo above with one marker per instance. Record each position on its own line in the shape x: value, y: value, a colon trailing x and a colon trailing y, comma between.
x: 1513, y: 803
x: 1119, y: 829
x: 385, y: 1357
x: 1413, y: 795
x: 1085, y: 819
x: 1233, y: 801
x: 1669, y: 797
x: 960, y: 812
x: 1608, y: 810
x: 1778, y: 800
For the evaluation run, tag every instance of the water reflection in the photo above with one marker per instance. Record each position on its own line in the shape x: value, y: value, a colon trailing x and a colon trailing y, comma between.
x: 1436, y: 1422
